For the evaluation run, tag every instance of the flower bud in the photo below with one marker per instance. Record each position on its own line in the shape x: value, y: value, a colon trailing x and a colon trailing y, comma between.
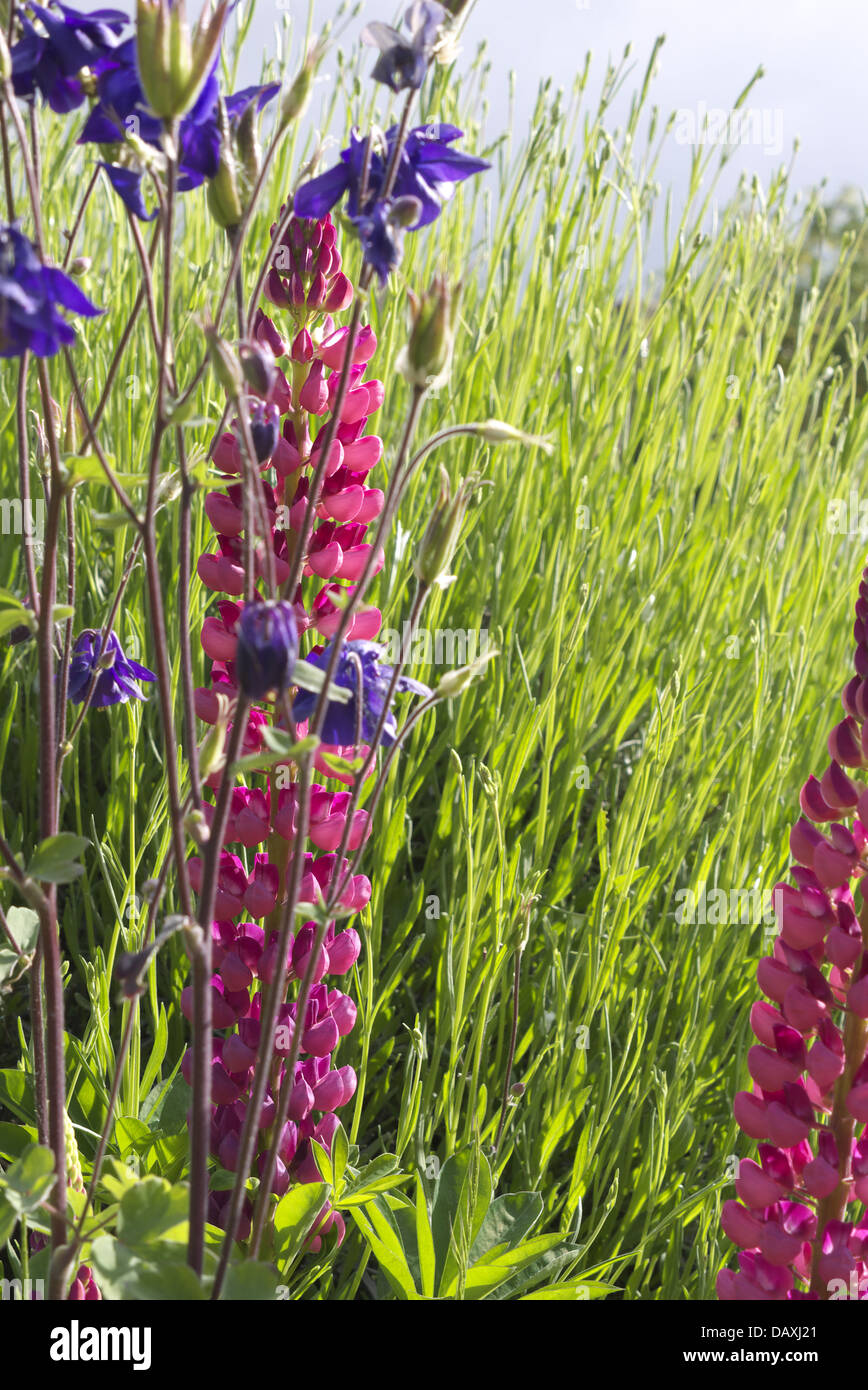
x: 211, y: 750
x: 174, y: 64
x: 224, y: 194
x: 267, y: 649
x: 225, y: 363
x: 74, y: 428
x: 264, y: 429
x: 405, y: 211
x: 444, y: 527
x: 248, y: 147
x: 258, y: 365
x: 429, y: 349
x: 498, y: 432
x: 296, y: 100
x: 455, y: 682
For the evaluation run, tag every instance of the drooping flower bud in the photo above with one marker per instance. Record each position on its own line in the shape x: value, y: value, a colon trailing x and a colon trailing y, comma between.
x: 499, y: 432
x: 267, y: 649
x: 258, y: 365
x: 264, y: 429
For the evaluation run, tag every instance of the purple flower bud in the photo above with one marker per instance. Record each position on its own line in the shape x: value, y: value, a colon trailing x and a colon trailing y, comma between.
x: 258, y: 365
x: 267, y: 649
x: 264, y: 429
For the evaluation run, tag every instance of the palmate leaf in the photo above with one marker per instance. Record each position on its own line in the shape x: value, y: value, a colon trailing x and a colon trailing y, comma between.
x: 23, y: 923
x: 25, y: 1186
x: 508, y: 1220
x: 377, y: 1223
x: 153, y: 1210
x: 432, y: 1256
x: 462, y: 1194
x: 54, y: 860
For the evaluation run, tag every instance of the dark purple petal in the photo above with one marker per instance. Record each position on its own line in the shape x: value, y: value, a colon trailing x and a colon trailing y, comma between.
x: 319, y: 195
x: 128, y: 186
x: 239, y: 101
x: 67, y: 293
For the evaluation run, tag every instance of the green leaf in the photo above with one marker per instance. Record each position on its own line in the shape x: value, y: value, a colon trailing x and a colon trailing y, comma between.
x: 172, y: 1105
x: 24, y: 926
x: 54, y: 860
x: 166, y: 1280
x: 151, y: 1209
x: 131, y: 1135
x: 342, y: 767
x: 279, y: 741
x: 381, y: 1175
x: 158, y: 1052
x: 340, y: 1152
x: 250, y: 1282
x: 30, y: 1179
x: 424, y: 1242
x: 116, y: 1267
x: 378, y: 1227
x: 12, y: 967
x: 508, y: 1220
x: 110, y: 521
x: 310, y: 677
x: 323, y: 1162
x: 14, y: 1139
x: 282, y: 748
x: 161, y: 1275
x: 544, y: 1266
x: 571, y: 1291
x: 462, y: 1193
x: 16, y: 1092
x: 8, y: 1219
x: 294, y: 1216
x: 16, y: 617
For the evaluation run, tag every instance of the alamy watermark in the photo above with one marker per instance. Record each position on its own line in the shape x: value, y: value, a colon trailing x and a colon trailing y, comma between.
x: 762, y: 126
x: 22, y: 1290
x: 22, y: 518
x: 445, y: 646
x: 848, y: 516
x: 723, y: 907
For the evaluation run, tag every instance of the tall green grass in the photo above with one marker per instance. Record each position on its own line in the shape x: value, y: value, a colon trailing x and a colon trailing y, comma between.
x: 671, y: 613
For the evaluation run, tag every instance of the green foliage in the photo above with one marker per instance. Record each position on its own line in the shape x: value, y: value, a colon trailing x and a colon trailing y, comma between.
x: 464, y: 1245
x: 670, y: 609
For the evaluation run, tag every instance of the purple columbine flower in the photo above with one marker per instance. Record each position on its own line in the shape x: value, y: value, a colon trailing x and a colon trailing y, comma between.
x: 428, y: 171
x: 403, y: 62
x: 122, y: 106
x: 31, y: 297
x: 49, y: 60
x: 118, y: 675
x: 267, y: 649
x: 343, y: 721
